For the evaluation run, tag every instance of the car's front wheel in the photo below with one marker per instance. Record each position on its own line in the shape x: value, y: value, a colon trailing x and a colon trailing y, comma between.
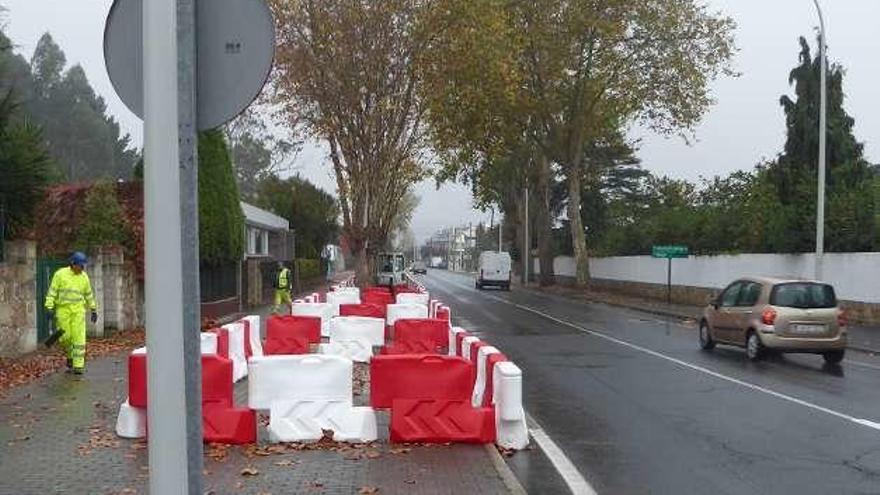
x: 754, y: 347
x: 706, y: 341
x: 833, y: 357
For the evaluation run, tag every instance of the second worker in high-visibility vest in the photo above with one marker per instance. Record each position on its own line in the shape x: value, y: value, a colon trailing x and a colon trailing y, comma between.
x: 70, y: 294
x: 283, y: 287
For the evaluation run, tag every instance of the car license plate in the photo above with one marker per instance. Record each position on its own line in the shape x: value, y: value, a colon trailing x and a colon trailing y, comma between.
x: 808, y: 329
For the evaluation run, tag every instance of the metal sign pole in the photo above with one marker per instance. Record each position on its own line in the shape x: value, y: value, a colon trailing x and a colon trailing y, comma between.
x: 171, y: 273
x: 669, y: 280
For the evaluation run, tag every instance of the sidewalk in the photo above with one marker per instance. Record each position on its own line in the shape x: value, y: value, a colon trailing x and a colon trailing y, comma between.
x: 861, y: 338
x: 57, y: 435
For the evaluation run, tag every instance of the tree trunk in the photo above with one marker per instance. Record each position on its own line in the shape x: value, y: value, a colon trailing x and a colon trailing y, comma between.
x: 578, y: 239
x: 515, y: 223
x: 543, y: 227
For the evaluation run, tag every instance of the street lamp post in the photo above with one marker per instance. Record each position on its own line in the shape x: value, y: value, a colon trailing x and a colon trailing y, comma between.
x: 820, y: 206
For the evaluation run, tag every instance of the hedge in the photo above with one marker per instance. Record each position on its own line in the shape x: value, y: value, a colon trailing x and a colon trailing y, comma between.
x: 308, y: 269
x: 221, y: 221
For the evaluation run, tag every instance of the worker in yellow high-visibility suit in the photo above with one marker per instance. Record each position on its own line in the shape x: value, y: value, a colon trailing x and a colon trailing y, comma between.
x: 70, y: 294
x: 283, y: 287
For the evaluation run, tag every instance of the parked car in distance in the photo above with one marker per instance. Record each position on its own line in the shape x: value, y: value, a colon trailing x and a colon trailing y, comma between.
x: 419, y: 267
x: 762, y: 314
x: 493, y: 270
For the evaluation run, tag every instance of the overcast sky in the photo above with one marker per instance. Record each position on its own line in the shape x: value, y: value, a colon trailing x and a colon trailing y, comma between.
x: 745, y: 126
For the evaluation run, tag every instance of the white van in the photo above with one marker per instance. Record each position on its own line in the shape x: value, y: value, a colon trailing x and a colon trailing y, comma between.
x: 493, y: 270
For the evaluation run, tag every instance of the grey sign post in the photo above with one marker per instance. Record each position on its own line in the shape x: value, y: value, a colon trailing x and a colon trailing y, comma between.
x: 669, y: 252
x: 182, y: 69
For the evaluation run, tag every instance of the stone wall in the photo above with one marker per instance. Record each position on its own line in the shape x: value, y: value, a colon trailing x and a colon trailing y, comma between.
x: 18, y: 294
x: 117, y: 291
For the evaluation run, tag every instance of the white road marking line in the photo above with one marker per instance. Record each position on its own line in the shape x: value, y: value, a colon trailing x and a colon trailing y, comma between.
x: 752, y: 386
x: 566, y: 469
x: 563, y: 465
x: 758, y: 388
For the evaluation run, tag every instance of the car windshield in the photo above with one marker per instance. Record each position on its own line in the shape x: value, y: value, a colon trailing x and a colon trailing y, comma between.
x: 803, y: 295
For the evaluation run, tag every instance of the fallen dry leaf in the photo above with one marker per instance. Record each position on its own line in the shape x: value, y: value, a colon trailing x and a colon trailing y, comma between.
x: 368, y: 490
x: 250, y: 471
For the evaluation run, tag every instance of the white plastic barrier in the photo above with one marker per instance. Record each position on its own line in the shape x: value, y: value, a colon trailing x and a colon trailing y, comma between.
x: 357, y: 327
x: 432, y: 308
x: 482, y: 373
x: 321, y: 310
x: 255, y: 336
x: 448, y: 311
x: 359, y: 351
x: 453, y: 340
x: 336, y: 298
x: 310, y: 299
x: 466, y: 342
x: 298, y: 420
x: 510, y: 417
x: 298, y: 377
x: 208, y: 342
x: 402, y: 311
x: 236, y: 350
x: 131, y: 422
x: 413, y: 298
x: 354, y: 290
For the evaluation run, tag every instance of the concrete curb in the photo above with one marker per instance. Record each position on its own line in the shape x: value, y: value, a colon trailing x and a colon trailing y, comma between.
x: 507, y: 477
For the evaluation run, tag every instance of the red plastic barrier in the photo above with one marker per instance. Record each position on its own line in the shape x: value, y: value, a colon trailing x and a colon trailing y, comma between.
x: 222, y: 341
x: 459, y: 337
x: 248, y: 350
x: 419, y: 336
x: 224, y: 424
x: 216, y: 380
x: 378, y: 288
x: 412, y: 376
x: 490, y: 368
x: 443, y: 314
x: 441, y: 420
x: 289, y: 345
x: 137, y: 380
x: 475, y: 349
x: 380, y: 298
x: 370, y: 310
x: 281, y: 327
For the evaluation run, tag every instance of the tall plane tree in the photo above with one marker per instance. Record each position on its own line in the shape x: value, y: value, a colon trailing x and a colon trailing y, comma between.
x: 344, y: 75
x: 578, y: 71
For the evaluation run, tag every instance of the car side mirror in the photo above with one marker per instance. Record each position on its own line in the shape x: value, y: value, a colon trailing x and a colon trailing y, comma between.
x: 713, y: 301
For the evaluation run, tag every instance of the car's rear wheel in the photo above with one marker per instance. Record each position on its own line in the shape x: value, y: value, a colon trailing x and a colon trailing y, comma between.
x: 706, y: 341
x: 754, y: 347
x: 833, y: 357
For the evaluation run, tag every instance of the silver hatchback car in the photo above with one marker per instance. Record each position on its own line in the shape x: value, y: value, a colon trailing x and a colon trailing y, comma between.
x: 763, y: 314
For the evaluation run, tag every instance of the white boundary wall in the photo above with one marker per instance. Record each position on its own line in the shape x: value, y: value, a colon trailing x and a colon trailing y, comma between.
x: 855, y: 276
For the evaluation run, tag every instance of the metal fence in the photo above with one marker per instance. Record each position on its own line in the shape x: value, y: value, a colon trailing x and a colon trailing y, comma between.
x: 218, y: 282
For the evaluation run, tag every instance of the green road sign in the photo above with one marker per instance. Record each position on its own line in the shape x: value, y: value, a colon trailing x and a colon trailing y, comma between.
x: 669, y: 251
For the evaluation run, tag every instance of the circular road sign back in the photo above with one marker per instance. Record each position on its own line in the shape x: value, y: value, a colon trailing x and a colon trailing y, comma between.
x: 236, y: 48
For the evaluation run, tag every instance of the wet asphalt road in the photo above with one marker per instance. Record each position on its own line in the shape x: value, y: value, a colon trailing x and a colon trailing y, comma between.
x: 639, y: 408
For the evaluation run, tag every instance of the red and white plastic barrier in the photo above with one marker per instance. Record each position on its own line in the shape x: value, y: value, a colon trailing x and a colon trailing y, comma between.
x: 288, y: 334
